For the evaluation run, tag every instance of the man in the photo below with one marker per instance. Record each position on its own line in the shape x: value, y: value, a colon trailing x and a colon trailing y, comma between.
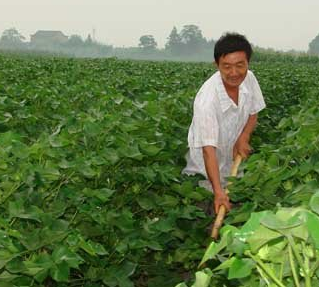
x: 224, y: 116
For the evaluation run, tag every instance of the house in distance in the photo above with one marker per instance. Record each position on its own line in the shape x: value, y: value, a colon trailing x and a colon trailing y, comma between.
x: 45, y: 39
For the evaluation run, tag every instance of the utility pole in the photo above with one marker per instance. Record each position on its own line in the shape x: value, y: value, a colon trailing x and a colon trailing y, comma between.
x: 94, y: 35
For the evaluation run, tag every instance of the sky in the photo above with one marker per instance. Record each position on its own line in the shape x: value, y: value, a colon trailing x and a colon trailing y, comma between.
x: 279, y: 24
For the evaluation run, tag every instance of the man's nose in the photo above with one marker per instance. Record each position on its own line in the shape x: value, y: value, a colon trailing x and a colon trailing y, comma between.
x: 233, y: 71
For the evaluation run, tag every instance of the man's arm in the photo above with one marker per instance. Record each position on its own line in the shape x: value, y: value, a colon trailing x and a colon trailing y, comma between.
x: 242, y: 146
x: 212, y: 170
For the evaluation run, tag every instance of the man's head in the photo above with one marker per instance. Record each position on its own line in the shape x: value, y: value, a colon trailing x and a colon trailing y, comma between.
x: 230, y: 43
x: 232, y: 54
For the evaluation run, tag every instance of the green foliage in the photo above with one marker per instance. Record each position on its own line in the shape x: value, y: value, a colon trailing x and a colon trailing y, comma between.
x: 90, y: 158
x: 11, y: 38
x: 275, y: 249
x: 147, y: 42
x: 314, y: 46
x: 90, y: 184
x: 174, y: 42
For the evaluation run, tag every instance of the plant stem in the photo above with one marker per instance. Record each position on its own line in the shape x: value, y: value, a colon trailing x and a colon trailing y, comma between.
x: 267, y: 270
x: 315, y: 265
x: 264, y: 276
x: 292, y: 266
x: 281, y: 270
x: 299, y: 260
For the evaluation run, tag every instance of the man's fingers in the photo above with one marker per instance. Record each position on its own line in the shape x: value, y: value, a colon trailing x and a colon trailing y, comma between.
x: 216, y: 207
x: 226, y: 203
x: 228, y: 206
x: 235, y: 152
x: 244, y: 153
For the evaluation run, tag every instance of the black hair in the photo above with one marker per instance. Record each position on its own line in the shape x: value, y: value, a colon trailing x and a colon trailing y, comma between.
x: 232, y: 42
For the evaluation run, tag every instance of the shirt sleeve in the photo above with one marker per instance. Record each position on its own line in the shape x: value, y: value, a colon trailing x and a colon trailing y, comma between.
x: 204, y: 129
x: 258, y: 102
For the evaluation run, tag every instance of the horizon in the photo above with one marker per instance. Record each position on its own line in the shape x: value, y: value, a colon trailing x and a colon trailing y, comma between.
x: 283, y: 26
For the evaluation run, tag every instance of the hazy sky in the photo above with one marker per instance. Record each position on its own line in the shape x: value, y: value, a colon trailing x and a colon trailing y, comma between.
x: 281, y: 24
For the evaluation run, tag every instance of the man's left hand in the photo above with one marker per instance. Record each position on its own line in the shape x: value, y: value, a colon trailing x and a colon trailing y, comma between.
x: 242, y: 146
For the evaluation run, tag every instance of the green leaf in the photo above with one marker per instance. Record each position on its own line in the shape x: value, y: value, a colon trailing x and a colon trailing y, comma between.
x: 154, y: 245
x: 118, y: 275
x: 240, y: 268
x: 314, y: 203
x: 53, y: 232
x: 32, y: 240
x: 214, y: 248
x: 149, y: 149
x: 238, y: 246
x: 38, y: 266
x: 274, y: 222
x: 254, y: 222
x: 60, y: 272
x: 62, y: 253
x: 92, y: 129
x: 16, y: 266
x: 102, y: 194
x: 274, y: 251
x: 98, y: 248
x: 64, y: 164
x: 168, y: 201
x: 58, y: 141
x: 203, y: 278
x: 131, y: 151
x: 7, y: 138
x: 312, y: 225
x: 6, y: 276
x: 86, y: 170
x: 92, y: 248
x: 111, y: 155
x: 20, y: 150
x: 5, y: 257
x: 226, y: 264
x: 146, y: 202
x: 261, y: 236
x: 165, y: 224
x: 16, y: 209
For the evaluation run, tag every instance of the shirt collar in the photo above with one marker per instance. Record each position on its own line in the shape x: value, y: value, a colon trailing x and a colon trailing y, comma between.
x: 225, y: 101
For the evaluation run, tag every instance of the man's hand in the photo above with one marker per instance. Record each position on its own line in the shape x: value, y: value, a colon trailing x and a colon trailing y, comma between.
x: 242, y: 146
x: 221, y: 198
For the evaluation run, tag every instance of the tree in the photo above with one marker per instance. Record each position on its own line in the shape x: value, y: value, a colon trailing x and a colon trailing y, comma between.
x: 75, y: 41
x: 314, y: 46
x: 192, y: 38
x: 11, y: 38
x: 210, y: 44
x: 89, y: 40
x: 147, y: 42
x: 174, y: 43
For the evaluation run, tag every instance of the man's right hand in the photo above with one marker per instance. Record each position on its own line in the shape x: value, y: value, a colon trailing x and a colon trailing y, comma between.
x: 221, y: 198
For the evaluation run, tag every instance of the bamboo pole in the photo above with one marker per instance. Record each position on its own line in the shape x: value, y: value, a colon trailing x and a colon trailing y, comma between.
x: 222, y: 209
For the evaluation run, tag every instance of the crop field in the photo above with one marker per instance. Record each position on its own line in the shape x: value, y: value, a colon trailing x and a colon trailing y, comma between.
x: 91, y: 191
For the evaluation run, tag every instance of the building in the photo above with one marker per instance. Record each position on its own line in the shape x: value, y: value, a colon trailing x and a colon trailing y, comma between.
x: 48, y: 38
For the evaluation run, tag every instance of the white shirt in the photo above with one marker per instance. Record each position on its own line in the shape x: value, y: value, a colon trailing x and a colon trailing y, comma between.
x: 218, y: 121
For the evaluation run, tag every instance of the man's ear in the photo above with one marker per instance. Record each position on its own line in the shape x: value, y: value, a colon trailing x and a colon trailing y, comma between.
x: 215, y: 64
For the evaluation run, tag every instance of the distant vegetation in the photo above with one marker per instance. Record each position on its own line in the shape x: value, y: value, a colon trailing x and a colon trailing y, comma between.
x: 189, y: 44
x: 91, y: 190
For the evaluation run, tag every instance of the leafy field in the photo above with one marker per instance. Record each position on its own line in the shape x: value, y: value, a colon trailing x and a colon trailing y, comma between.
x: 91, y: 193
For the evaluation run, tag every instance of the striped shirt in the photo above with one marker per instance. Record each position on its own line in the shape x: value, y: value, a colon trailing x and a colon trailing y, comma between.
x: 218, y: 121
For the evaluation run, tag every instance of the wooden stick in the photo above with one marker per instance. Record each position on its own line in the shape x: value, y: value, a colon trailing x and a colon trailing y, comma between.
x: 222, y: 209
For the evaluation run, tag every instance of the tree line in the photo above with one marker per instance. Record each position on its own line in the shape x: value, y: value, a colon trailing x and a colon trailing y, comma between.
x: 186, y: 44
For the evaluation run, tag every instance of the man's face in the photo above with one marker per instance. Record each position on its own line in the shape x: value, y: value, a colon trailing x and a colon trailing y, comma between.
x: 233, y: 68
